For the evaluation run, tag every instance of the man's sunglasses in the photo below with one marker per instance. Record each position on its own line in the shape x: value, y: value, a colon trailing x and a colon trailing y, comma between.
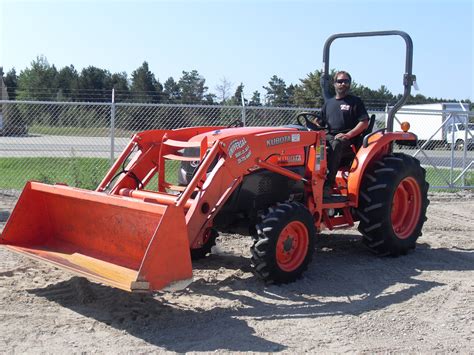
x: 343, y: 81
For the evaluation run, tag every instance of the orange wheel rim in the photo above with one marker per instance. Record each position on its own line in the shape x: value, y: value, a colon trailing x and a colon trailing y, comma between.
x: 406, y: 207
x: 292, y: 246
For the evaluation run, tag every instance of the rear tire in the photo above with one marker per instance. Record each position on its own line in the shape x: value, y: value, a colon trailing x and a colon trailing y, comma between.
x: 392, y: 204
x: 284, y: 244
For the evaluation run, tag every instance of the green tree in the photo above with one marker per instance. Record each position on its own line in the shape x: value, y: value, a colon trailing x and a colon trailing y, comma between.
x: 192, y: 87
x: 290, y: 93
x: 120, y: 84
x: 209, y: 99
x: 255, y: 100
x: 171, y: 91
x: 11, y: 82
x: 94, y: 84
x: 373, y: 99
x: 39, y: 81
x: 145, y: 87
x: 277, y: 94
x: 308, y: 93
x: 237, y: 98
x: 67, y: 83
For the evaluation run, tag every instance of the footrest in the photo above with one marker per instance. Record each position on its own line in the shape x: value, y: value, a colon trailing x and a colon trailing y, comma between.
x: 335, y: 199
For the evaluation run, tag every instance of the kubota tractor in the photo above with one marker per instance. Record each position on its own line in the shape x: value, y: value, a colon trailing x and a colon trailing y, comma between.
x: 138, y: 232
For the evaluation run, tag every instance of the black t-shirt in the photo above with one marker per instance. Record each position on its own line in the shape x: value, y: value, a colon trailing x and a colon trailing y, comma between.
x: 341, y: 115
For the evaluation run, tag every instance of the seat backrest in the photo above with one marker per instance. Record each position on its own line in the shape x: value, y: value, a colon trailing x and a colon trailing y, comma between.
x: 360, y: 138
x: 371, y: 125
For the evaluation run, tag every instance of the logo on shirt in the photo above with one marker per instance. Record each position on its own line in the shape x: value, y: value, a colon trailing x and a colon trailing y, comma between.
x: 345, y: 107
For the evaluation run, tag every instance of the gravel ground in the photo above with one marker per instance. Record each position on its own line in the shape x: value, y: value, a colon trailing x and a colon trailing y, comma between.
x: 348, y: 300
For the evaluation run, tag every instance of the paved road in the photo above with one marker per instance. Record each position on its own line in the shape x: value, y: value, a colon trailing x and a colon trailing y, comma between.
x: 442, y: 158
x: 69, y: 146
x: 59, y: 146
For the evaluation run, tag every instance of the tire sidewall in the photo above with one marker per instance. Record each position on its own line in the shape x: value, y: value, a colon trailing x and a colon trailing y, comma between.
x: 271, y: 227
x: 377, y: 192
x: 297, y: 215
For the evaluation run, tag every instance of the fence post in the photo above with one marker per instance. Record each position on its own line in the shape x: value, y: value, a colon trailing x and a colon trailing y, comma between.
x: 465, y: 145
x: 112, y: 129
x: 243, y: 108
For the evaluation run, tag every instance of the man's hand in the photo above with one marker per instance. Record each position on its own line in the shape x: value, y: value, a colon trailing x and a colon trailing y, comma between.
x: 319, y: 122
x: 361, y: 127
x: 342, y: 136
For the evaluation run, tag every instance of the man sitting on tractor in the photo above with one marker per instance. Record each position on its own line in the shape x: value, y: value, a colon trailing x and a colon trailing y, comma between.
x: 345, y: 118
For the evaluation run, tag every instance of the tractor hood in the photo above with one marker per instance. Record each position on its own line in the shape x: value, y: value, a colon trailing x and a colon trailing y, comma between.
x: 222, y: 133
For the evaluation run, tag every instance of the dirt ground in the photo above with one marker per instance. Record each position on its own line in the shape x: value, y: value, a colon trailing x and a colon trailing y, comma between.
x: 348, y: 301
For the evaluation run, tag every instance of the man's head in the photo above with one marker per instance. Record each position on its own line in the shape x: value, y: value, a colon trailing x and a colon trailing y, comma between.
x: 342, y: 83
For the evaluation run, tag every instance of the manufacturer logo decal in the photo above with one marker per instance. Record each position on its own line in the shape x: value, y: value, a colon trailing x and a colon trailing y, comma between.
x: 290, y: 158
x: 236, y: 145
x: 240, y: 149
x: 278, y: 140
x: 243, y: 155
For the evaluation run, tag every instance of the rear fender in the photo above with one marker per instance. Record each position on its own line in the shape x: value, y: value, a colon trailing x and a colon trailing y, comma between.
x: 379, y: 144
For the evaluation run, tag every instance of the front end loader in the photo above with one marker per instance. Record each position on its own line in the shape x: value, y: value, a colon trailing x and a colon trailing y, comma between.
x: 138, y: 231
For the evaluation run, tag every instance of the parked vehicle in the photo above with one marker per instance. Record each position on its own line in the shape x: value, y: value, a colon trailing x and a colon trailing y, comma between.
x: 433, y: 124
x: 457, y: 136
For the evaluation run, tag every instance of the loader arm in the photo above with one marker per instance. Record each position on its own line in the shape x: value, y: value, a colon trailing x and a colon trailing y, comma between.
x: 237, y: 157
x: 135, y: 239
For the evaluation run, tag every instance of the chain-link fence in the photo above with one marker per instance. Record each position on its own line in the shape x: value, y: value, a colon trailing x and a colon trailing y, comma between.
x: 445, y: 142
x: 75, y: 143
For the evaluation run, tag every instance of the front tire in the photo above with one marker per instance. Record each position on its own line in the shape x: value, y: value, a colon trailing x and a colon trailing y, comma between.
x: 209, y: 241
x: 392, y: 204
x: 284, y: 244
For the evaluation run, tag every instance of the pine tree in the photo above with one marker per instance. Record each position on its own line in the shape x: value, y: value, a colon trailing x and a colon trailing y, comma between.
x: 192, y: 87
x: 145, y: 88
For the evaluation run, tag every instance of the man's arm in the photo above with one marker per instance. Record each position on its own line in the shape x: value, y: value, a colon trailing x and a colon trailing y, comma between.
x: 354, y: 132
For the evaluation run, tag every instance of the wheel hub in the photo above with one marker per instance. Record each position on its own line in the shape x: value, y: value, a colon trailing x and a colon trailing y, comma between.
x: 288, y: 244
x: 292, y: 246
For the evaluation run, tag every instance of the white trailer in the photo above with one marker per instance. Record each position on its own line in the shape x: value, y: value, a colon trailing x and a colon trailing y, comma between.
x: 434, y: 123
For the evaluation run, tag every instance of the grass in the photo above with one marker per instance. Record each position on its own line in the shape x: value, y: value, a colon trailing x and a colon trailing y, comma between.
x: 440, y: 176
x: 85, y: 173
x: 79, y: 172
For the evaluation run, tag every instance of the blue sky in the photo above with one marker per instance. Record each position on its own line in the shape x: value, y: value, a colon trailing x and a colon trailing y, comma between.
x: 247, y: 41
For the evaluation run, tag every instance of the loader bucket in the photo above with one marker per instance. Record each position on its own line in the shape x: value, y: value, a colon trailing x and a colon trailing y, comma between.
x: 119, y: 241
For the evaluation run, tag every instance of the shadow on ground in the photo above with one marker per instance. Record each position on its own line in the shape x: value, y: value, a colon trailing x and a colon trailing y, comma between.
x: 344, y: 278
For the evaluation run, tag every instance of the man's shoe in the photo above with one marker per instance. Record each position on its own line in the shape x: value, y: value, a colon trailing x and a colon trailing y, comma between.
x: 327, y: 191
x: 330, y: 197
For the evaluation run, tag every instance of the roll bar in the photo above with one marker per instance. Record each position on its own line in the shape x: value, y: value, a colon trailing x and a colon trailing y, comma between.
x: 408, y: 77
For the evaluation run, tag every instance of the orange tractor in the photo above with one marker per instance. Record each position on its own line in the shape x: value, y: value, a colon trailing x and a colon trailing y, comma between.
x: 138, y: 232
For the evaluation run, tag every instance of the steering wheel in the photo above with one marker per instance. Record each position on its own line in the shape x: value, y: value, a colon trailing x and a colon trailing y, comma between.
x: 303, y: 119
x: 236, y: 123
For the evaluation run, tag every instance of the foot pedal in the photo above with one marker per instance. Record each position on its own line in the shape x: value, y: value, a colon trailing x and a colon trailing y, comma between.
x: 335, y: 199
